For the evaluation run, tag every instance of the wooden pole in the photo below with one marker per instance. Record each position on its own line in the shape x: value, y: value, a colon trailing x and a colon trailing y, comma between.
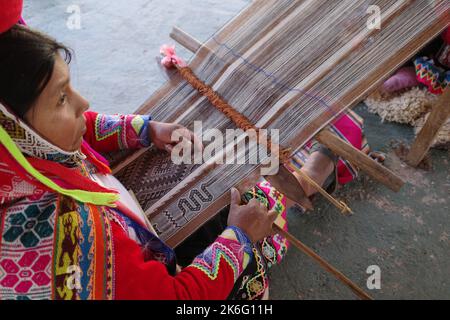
x: 360, y: 159
x: 437, y: 118
x: 322, y: 262
x: 185, y: 39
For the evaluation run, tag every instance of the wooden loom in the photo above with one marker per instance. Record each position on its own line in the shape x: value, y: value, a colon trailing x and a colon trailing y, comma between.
x: 285, y: 64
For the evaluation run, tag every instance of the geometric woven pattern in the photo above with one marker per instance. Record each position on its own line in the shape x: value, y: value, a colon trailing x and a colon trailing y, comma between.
x: 152, y: 176
x: 27, y: 273
x: 435, y: 78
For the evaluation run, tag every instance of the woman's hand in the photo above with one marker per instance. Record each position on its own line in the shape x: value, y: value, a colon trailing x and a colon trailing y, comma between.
x: 254, y: 219
x: 161, y: 135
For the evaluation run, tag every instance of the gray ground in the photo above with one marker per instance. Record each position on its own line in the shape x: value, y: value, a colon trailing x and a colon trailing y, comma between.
x: 406, y: 234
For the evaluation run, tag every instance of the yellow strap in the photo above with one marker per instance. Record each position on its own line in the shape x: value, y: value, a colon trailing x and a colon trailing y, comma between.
x: 97, y: 198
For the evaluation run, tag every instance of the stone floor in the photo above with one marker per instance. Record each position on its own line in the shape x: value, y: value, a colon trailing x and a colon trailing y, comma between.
x: 406, y: 234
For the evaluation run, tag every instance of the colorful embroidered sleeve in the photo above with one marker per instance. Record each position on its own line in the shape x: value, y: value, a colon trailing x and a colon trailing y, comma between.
x: 211, y: 276
x: 107, y: 133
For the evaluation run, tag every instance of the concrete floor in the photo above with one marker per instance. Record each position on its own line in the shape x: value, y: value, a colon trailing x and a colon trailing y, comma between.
x: 406, y: 234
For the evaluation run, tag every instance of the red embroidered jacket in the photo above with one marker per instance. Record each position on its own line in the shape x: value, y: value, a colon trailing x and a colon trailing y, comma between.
x: 54, y: 247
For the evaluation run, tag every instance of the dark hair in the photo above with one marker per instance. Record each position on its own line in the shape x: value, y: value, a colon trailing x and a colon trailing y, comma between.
x: 27, y: 59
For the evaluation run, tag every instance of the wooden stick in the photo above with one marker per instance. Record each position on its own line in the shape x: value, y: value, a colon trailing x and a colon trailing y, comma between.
x: 185, y: 39
x: 435, y: 121
x: 286, y: 183
x: 323, y: 263
x: 342, y: 206
x: 360, y: 159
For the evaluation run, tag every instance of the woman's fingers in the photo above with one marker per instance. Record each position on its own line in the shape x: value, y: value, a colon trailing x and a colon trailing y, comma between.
x: 192, y: 137
x: 162, y: 134
x: 235, y: 197
x: 196, y: 140
x: 273, y: 215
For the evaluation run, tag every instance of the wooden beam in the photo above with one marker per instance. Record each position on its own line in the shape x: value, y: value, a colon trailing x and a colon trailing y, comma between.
x: 185, y: 39
x: 360, y: 159
x: 426, y: 136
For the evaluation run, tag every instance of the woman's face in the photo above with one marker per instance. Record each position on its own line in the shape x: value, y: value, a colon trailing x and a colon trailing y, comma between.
x: 58, y: 112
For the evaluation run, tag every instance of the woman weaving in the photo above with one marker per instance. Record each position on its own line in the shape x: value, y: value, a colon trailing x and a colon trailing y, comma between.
x: 69, y: 229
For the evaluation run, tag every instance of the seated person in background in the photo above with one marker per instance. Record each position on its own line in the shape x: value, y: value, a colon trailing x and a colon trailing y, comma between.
x: 430, y: 68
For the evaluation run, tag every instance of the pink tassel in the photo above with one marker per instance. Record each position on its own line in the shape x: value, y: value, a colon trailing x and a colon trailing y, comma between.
x: 171, y: 60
